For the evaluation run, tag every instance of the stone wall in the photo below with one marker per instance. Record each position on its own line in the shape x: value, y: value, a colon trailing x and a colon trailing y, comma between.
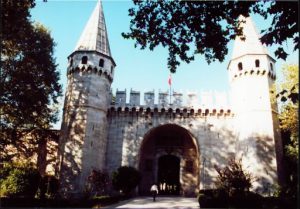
x: 212, y: 132
x: 84, y: 130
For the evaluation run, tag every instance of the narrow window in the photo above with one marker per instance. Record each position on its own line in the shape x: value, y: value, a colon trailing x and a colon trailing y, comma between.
x: 256, y: 63
x: 71, y: 62
x: 101, y: 63
x: 271, y: 65
x: 84, y: 60
x: 111, y: 69
x: 240, y: 66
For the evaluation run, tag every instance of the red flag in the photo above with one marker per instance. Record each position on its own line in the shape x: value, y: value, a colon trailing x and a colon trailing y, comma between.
x: 170, y: 80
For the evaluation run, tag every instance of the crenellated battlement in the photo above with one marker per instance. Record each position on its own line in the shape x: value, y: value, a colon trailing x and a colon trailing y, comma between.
x: 205, y: 102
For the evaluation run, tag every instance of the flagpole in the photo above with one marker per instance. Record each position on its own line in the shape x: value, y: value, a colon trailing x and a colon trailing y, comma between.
x: 170, y: 84
x: 170, y: 93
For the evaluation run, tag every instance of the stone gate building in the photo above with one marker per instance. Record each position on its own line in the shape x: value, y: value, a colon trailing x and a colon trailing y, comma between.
x: 176, y: 145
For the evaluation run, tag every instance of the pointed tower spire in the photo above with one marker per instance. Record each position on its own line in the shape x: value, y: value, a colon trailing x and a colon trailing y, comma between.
x: 94, y: 36
x: 252, y: 44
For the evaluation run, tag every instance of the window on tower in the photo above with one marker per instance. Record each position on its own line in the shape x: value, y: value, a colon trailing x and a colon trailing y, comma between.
x: 240, y: 66
x: 257, y: 63
x: 71, y: 62
x: 111, y: 69
x: 84, y: 60
x: 101, y: 63
x: 271, y: 66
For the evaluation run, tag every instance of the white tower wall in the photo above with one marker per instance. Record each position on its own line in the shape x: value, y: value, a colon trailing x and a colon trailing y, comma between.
x: 251, y: 74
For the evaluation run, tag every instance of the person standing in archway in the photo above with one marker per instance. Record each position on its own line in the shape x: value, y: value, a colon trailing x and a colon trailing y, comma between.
x: 154, y: 191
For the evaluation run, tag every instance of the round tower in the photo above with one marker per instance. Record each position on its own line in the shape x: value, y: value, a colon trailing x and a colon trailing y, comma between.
x: 84, y: 128
x: 252, y: 74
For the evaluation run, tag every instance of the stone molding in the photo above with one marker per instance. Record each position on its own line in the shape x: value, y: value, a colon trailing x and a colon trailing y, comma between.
x: 255, y: 72
x: 180, y: 112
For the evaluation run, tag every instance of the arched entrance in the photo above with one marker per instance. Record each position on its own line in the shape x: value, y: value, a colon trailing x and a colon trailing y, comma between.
x: 168, y: 174
x: 169, y: 157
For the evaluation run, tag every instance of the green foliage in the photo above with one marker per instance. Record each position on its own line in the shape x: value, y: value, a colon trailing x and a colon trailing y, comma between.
x: 99, y: 201
x: 289, y: 86
x: 204, y: 200
x: 233, y: 179
x: 29, y: 78
x: 19, y: 180
x: 95, y: 202
x: 188, y: 28
x: 97, y: 183
x: 126, y: 179
x: 289, y: 124
x: 216, y: 198
x: 284, y: 24
x: 213, y: 198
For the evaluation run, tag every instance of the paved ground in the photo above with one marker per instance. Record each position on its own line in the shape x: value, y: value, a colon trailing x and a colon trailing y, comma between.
x: 161, y: 202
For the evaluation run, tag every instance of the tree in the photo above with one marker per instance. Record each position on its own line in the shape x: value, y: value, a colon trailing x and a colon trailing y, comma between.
x: 188, y: 28
x: 289, y: 108
x: 97, y: 182
x: 29, y: 78
x: 126, y: 178
x: 289, y: 124
x: 233, y: 179
x: 19, y: 180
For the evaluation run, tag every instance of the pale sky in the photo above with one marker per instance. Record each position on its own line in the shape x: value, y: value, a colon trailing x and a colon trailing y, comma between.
x: 141, y: 70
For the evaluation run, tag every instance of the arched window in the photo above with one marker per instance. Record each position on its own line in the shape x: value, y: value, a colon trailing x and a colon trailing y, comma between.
x: 71, y: 62
x: 101, y: 63
x: 240, y: 66
x: 111, y: 69
x: 84, y: 60
x: 271, y: 66
x: 256, y: 63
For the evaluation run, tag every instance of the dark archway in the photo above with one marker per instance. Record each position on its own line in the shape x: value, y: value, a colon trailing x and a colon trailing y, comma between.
x: 169, y: 147
x: 168, y: 174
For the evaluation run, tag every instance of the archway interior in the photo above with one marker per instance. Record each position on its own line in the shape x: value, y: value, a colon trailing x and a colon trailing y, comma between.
x: 168, y: 153
x: 168, y: 174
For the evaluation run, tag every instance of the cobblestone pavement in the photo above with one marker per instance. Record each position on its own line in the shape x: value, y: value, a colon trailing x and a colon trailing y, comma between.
x: 161, y: 202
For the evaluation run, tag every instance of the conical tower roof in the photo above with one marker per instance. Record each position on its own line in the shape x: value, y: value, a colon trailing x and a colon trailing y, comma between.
x: 94, y: 36
x: 252, y: 43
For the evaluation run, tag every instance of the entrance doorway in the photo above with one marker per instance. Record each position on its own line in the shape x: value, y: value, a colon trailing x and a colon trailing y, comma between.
x: 168, y: 175
x: 169, y: 158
